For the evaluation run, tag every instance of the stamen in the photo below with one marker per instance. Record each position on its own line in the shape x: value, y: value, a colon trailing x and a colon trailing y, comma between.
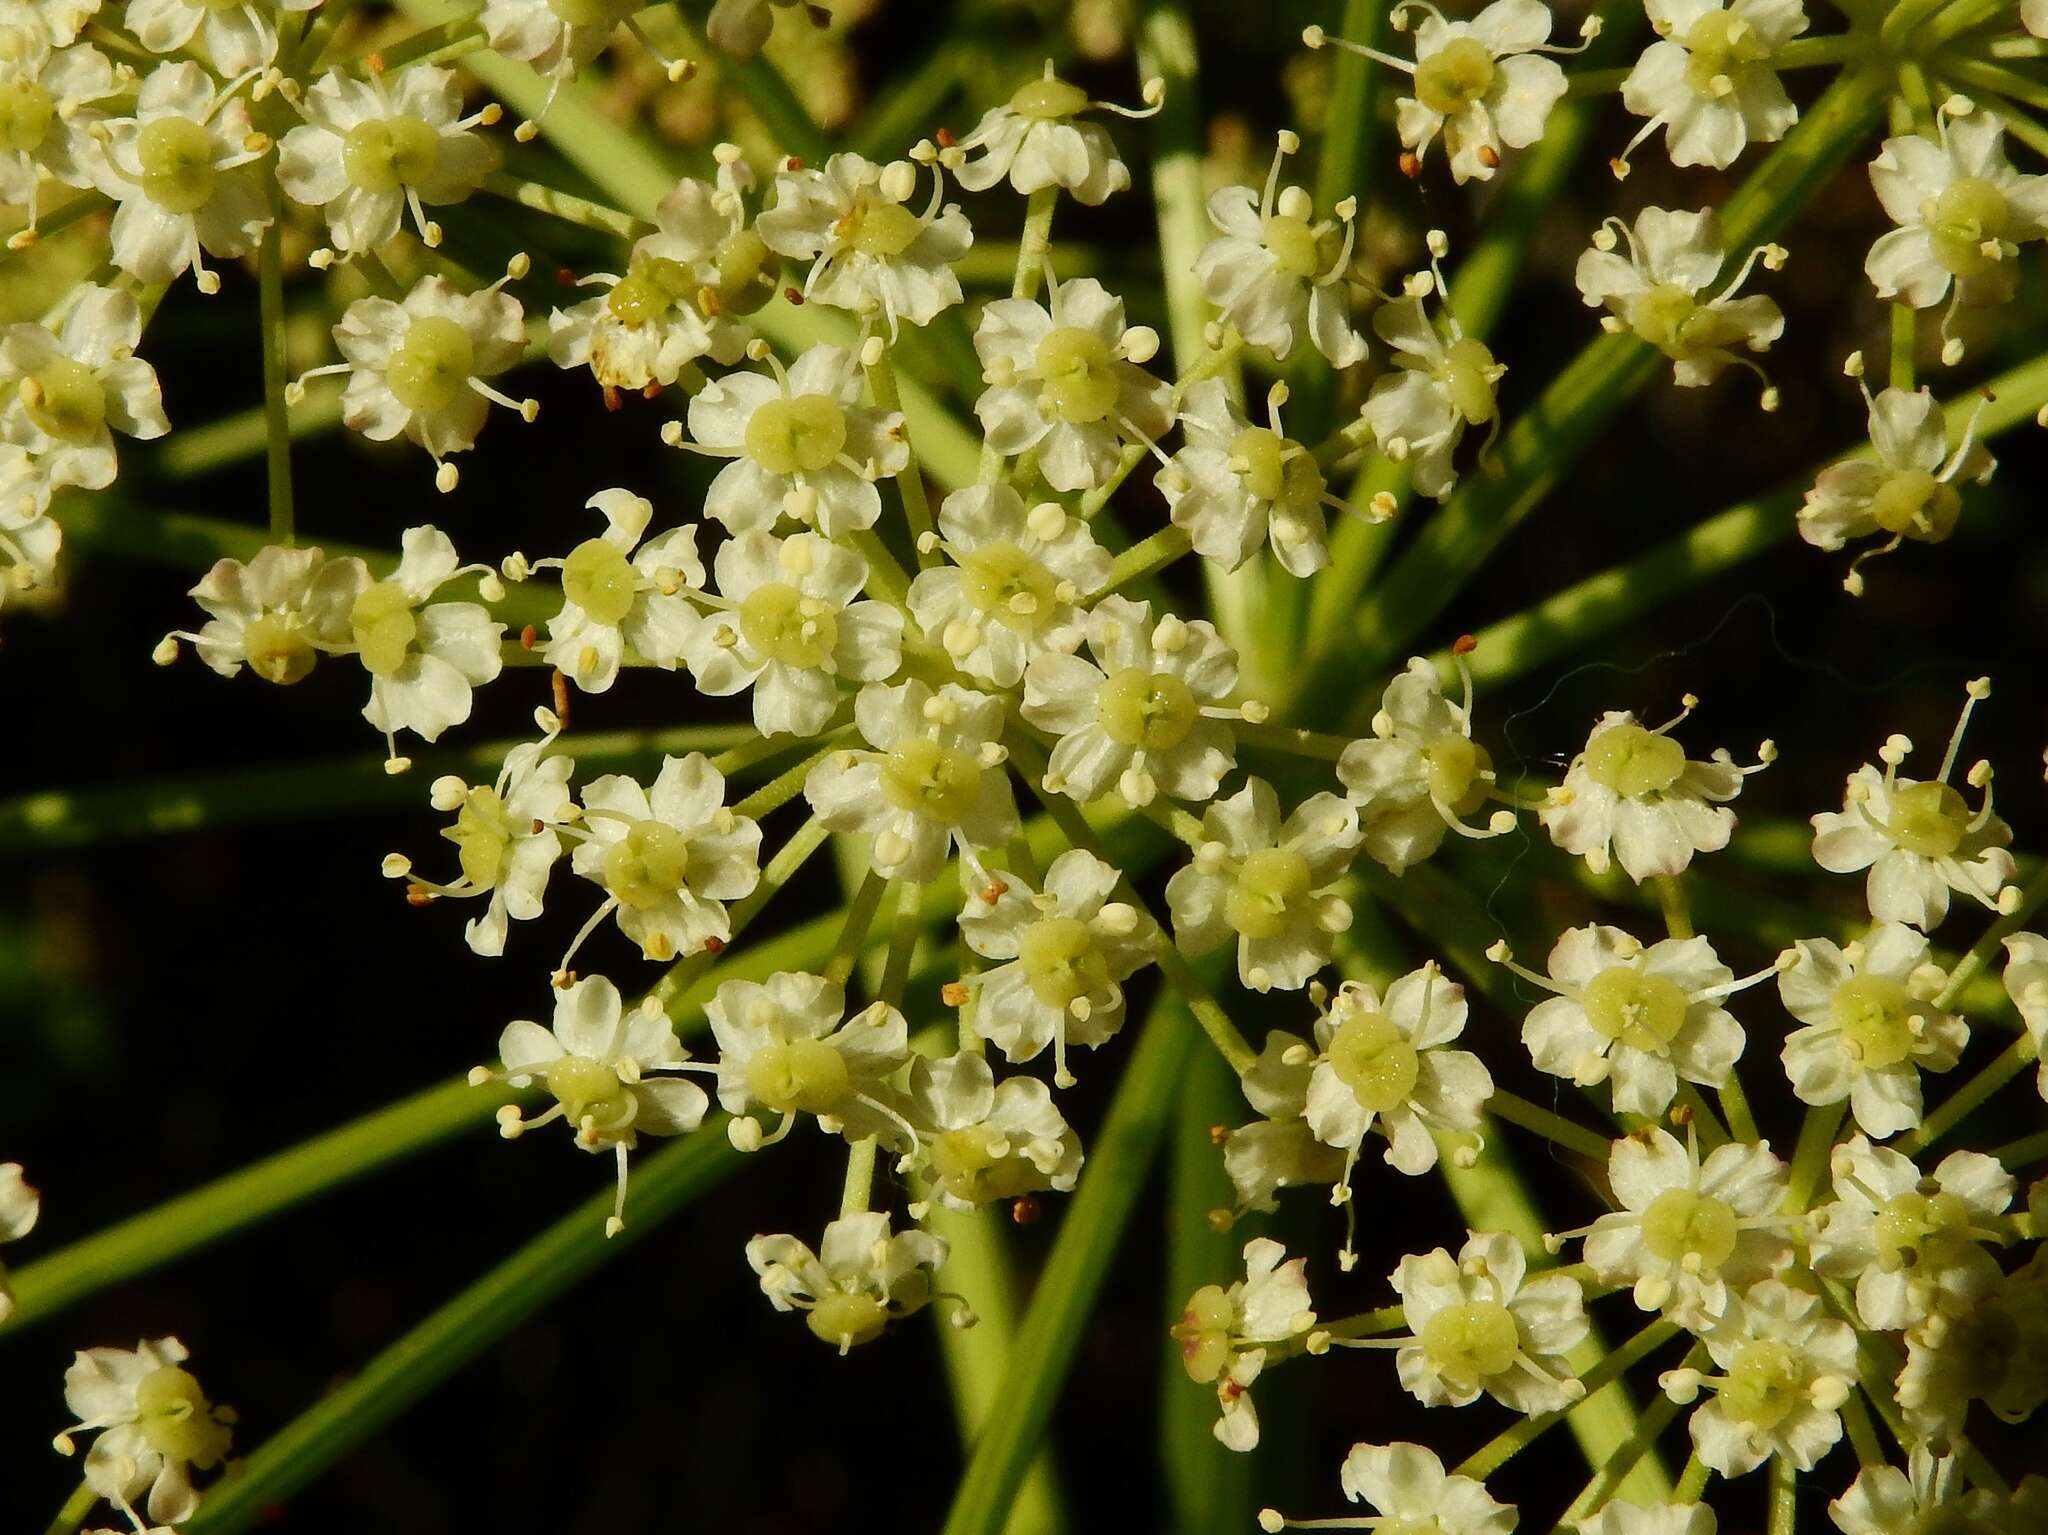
x: 1973, y: 692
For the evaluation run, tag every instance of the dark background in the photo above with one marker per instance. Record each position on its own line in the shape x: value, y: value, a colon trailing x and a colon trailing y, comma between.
x: 172, y: 1008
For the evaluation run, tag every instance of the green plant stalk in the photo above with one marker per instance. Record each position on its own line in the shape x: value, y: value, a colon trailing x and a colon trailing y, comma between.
x: 682, y: 976
x: 276, y: 420
x: 2033, y: 895
x: 1650, y: 1427
x: 461, y: 1329
x: 73, y: 1513
x: 1516, y: 1110
x: 2027, y: 1149
x: 1147, y: 557
x: 1095, y: 1218
x: 1784, y: 1497
x: 565, y: 206
x: 1862, y: 1432
x: 217, y: 444
x: 1965, y: 1100
x: 1522, y: 1433
x: 1810, y: 1156
x: 1692, y: 1483
x: 903, y: 936
x: 1034, y: 245
x: 860, y: 918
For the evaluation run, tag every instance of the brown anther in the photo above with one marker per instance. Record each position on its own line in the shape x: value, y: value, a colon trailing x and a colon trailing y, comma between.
x: 1025, y: 1209
x: 714, y: 946
x: 1229, y: 1390
x: 565, y: 277
x: 564, y: 979
x: 528, y: 637
x: 993, y: 892
x: 945, y: 139
x: 374, y: 63
x: 1464, y: 645
x: 559, y: 685
x: 611, y: 397
x: 953, y: 993
x: 793, y: 295
x: 650, y: 390
x: 1489, y: 157
x: 1218, y: 1134
x: 792, y: 162
x: 1681, y: 1115
x: 418, y: 895
x: 1989, y: 394
x: 1411, y: 165
x: 709, y: 303
x: 538, y: 827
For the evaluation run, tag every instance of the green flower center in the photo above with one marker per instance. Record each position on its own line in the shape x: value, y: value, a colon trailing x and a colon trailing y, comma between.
x: 648, y: 291
x: 1203, y: 1333
x: 1296, y: 247
x: 1048, y: 99
x: 66, y: 400
x: 26, y: 112
x: 977, y: 1163
x: 1929, y: 819
x: 1720, y: 41
x: 1149, y: 711
x: 1375, y: 1060
x: 806, y: 433
x: 1961, y: 220
x: 805, y: 1074
x: 590, y: 1090
x: 176, y: 1419
x: 1765, y: 1385
x: 1874, y: 1014
x: 1468, y: 375
x: 384, y: 626
x: 1061, y: 961
x: 1679, y: 325
x: 599, y: 579
x: 277, y: 647
x: 1644, y: 1012
x: 1634, y: 762
x: 432, y: 365
x: 1681, y: 1225
x: 647, y: 865
x: 1078, y: 371
x: 382, y: 154
x: 1455, y: 766
x: 1270, y: 886
x: 939, y: 783
x: 1915, y: 503
x: 482, y: 834
x: 1469, y: 1342
x: 1456, y: 75
x: 1010, y: 586
x: 176, y: 156
x: 847, y: 1320
x: 1918, y: 1230
x: 746, y: 273
x: 781, y: 624
x: 1275, y: 468
x: 878, y: 227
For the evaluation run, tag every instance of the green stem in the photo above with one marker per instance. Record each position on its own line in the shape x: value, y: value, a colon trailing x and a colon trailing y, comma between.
x: 853, y: 937
x: 1518, y: 1436
x: 1959, y: 1105
x: 1784, y: 1496
x: 1905, y: 343
x: 860, y: 1176
x: 2033, y: 895
x: 1554, y: 1128
x: 917, y: 508
x: 1649, y: 1428
x: 1313, y: 744
x: 276, y: 419
x: 902, y: 944
x: 1692, y: 1482
x: 1033, y: 244
x: 571, y: 209
x: 2028, y: 1148
x: 1146, y: 558
x: 1862, y: 1432
x: 1810, y: 1158
x: 73, y: 1513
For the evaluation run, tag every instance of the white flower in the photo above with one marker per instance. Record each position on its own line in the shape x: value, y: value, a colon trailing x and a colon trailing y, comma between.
x: 1919, y: 840
x: 868, y: 252
x: 1962, y: 212
x: 1221, y: 1332
x: 860, y: 1278
x: 783, y: 1047
x: 1147, y: 717
x: 1655, y: 291
x: 800, y: 444
x: 1380, y: 1065
x: 2034, y: 16
x: 1638, y: 1017
x: 73, y: 390
x: 669, y: 856
x: 2026, y: 982
x: 423, y: 657
x: 1270, y: 886
x: 28, y: 555
x: 418, y: 367
x: 59, y: 21
x: 1009, y: 594
x: 1619, y: 1518
x: 682, y: 286
x: 1278, y: 1151
x: 180, y: 171
x: 1996, y: 1352
x: 1904, y: 488
x: 20, y: 1204
x: 505, y: 834
x: 239, y: 34
x: 1421, y: 773
x: 1870, y: 1028
x: 619, y: 592
x: 557, y: 37
x: 1233, y: 484
x: 792, y: 629
x: 1064, y: 379
x: 935, y: 775
x: 158, y: 1426
x: 1438, y: 385
x: 1688, y: 1229
x: 1786, y: 1369
x: 1708, y: 80
x: 373, y: 147
x: 1408, y: 1487
x: 1035, y: 141
x: 1477, y: 1328
x: 983, y: 1140
x: 50, y: 114
x: 592, y: 1063
x: 1931, y: 1496
x: 1275, y: 274
x: 278, y: 612
x: 1912, y: 1244
x: 1633, y: 789
x: 1062, y: 955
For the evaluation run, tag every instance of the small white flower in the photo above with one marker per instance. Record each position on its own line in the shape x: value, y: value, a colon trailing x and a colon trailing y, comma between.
x: 557, y: 37
x: 1010, y: 593
x: 1478, y: 1329
x: 1406, y: 1484
x: 1996, y: 1352
x: 1062, y: 955
x: 619, y: 592
x: 180, y: 171
x: 1035, y: 140
x: 1278, y: 1151
x: 1913, y: 1245
x: 1638, y: 1017
x: 1870, y: 1028
x: 592, y: 1062
x: 869, y: 253
x: 1655, y: 291
x: 786, y: 1046
x: 158, y: 1426
x: 58, y: 21
x: 1421, y: 773
x: 1268, y: 885
x: 1906, y: 487
x: 1634, y: 790
x: 1962, y: 210
x: 1787, y: 1367
x: 800, y: 443
x: 935, y: 776
x: 1708, y: 80
x: 1064, y: 379
x: 1275, y: 274
x: 1689, y: 1229
x: 1931, y: 1495
x: 1221, y: 1333
x: 50, y: 95
x: 792, y: 629
x: 983, y: 1140
x: 423, y: 657
x: 1439, y: 384
x: 506, y: 837
x: 1232, y: 485
x: 239, y: 34
x: 2026, y: 982
x: 28, y: 555
x: 859, y: 1280
x: 277, y: 613
x: 20, y: 1204
x: 373, y: 147
x: 74, y: 389
x: 1619, y: 1518
x: 1918, y: 840
x: 1146, y: 717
